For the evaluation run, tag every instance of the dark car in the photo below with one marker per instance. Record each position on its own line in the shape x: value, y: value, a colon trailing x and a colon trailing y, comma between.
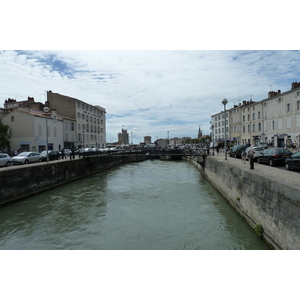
x: 293, y: 162
x: 236, y: 151
x: 51, y: 153
x: 274, y: 156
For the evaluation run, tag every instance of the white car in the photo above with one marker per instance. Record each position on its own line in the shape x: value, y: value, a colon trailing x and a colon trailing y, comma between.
x: 257, y: 150
x: 26, y: 158
x: 5, y: 160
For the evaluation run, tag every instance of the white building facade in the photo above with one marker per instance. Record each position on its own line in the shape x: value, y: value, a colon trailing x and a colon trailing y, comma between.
x: 275, y: 120
x: 29, y: 130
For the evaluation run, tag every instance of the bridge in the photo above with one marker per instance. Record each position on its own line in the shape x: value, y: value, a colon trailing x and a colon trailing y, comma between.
x: 157, y: 153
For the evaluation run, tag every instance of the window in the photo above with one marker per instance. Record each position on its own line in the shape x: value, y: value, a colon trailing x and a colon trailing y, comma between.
x: 279, y: 99
x: 258, y: 115
x: 253, y: 127
x: 265, y: 103
x: 273, y: 125
x: 253, y: 116
x: 298, y: 105
x: 244, y: 129
x: 288, y: 107
x: 259, y: 126
x: 243, y: 118
x: 12, y: 118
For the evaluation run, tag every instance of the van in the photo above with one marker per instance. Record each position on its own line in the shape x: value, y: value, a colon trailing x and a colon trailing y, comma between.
x: 236, y: 151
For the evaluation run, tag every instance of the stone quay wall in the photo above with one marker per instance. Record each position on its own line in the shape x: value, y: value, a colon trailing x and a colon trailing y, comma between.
x: 259, y: 199
x: 23, y: 181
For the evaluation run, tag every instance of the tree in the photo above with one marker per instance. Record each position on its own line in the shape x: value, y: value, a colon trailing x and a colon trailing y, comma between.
x: 5, y: 135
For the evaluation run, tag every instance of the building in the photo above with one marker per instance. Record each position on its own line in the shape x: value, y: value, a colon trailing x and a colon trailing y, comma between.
x: 123, y: 137
x: 29, y: 130
x: 275, y: 120
x: 147, y: 140
x: 217, y: 126
x: 89, y: 127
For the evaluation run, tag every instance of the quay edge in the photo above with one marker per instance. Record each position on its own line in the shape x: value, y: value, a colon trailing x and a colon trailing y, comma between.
x: 259, y: 199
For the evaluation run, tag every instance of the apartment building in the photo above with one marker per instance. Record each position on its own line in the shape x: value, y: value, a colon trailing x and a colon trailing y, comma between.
x: 275, y: 120
x: 89, y: 128
x: 218, y: 126
x: 29, y: 130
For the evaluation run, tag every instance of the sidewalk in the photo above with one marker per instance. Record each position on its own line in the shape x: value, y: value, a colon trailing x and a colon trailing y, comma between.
x: 276, y: 173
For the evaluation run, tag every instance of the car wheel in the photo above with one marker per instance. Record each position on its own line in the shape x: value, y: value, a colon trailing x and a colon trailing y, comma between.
x: 271, y: 163
x: 26, y: 161
x: 235, y: 156
x: 40, y: 160
x: 8, y: 163
x: 287, y: 166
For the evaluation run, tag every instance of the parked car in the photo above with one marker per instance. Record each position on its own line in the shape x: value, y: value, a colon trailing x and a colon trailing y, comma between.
x: 263, y: 144
x: 236, y: 151
x: 293, y: 162
x: 274, y: 156
x: 5, y: 160
x: 52, y: 154
x: 26, y: 158
x: 257, y: 151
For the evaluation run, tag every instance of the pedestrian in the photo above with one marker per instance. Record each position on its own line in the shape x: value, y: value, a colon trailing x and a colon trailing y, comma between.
x: 244, y: 155
x: 63, y: 155
x: 72, y: 153
x: 218, y: 149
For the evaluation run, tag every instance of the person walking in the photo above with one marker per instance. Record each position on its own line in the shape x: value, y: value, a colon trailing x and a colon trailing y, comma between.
x: 244, y: 155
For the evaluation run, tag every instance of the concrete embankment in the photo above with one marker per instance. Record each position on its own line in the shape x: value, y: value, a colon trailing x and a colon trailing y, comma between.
x: 265, y: 196
x: 18, y: 182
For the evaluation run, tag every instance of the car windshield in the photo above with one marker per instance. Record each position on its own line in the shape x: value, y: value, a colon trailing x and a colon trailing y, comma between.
x: 24, y: 154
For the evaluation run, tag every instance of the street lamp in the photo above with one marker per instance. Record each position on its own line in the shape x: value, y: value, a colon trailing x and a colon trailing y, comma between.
x: 224, y: 102
x: 46, y: 110
x: 212, y: 137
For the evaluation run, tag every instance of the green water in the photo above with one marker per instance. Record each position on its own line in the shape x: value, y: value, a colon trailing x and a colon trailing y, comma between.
x: 147, y: 205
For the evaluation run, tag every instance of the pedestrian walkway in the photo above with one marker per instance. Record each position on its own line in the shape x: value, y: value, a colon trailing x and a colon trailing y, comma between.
x: 276, y: 173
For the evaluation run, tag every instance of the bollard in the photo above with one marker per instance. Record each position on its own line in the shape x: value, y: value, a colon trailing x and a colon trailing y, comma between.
x: 251, y: 163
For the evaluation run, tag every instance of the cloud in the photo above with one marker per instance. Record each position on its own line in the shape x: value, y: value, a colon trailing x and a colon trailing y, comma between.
x: 150, y: 92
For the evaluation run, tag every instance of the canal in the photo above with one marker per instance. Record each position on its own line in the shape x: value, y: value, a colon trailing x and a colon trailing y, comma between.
x: 147, y: 205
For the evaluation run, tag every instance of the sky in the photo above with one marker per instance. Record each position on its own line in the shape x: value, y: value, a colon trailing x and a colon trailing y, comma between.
x: 161, y: 72
x: 150, y: 92
x: 158, y: 79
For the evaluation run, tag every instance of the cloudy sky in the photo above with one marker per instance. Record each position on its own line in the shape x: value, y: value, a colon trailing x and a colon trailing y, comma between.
x: 151, y: 90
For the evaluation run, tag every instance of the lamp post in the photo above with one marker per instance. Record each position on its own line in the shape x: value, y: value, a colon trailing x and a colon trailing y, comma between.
x: 46, y: 110
x: 212, y: 137
x: 131, y: 138
x: 224, y: 102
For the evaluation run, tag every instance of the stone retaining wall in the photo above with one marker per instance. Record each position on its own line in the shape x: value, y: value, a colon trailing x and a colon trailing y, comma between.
x: 260, y: 200
x: 17, y: 183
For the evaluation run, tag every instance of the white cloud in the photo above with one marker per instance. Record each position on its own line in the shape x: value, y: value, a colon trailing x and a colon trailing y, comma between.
x: 150, y: 92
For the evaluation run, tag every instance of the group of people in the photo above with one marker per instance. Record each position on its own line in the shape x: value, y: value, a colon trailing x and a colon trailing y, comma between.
x: 63, y: 154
